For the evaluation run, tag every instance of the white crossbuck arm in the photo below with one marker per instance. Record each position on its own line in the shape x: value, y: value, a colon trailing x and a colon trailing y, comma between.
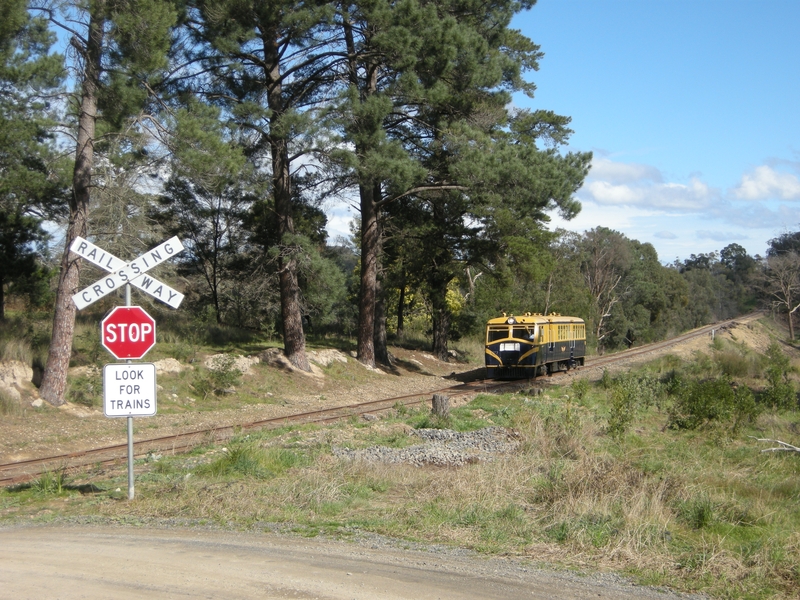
x: 121, y: 272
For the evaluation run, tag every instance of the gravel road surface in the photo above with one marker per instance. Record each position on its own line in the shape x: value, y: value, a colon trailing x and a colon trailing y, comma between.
x: 58, y: 562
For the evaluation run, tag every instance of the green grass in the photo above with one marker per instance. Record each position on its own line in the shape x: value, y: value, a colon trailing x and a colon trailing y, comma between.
x: 701, y: 509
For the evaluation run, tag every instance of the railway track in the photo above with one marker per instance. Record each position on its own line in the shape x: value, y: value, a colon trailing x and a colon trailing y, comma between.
x: 26, y: 470
x: 22, y: 471
x: 641, y: 351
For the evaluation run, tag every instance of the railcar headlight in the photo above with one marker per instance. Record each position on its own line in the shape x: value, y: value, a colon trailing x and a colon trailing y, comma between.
x: 511, y: 320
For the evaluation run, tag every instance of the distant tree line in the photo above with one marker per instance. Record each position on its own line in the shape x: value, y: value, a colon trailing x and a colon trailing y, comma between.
x: 231, y: 123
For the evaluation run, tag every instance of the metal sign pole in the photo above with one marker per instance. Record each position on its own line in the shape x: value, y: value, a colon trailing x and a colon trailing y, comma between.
x: 130, y: 419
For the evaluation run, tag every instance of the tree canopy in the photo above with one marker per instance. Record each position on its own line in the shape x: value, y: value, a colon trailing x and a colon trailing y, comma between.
x: 232, y: 123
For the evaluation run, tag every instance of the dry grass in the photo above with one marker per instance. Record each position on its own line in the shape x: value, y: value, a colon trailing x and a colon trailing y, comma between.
x: 570, y: 497
x: 16, y: 349
x: 698, y: 510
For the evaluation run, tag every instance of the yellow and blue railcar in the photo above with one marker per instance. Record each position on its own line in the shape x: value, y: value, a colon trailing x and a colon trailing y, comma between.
x: 533, y: 344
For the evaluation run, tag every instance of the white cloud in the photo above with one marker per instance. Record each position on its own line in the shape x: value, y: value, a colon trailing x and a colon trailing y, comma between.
x: 694, y: 197
x: 665, y: 235
x: 594, y: 215
x: 680, y: 218
x: 764, y: 183
x: 719, y: 236
x: 616, y: 172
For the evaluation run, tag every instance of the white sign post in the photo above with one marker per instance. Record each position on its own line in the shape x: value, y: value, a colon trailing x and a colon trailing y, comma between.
x: 128, y: 390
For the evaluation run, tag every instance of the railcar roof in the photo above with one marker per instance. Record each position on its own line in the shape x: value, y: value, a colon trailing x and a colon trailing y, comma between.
x: 534, y: 319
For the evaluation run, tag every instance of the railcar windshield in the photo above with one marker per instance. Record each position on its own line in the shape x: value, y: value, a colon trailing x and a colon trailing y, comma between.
x: 525, y: 333
x: 496, y: 332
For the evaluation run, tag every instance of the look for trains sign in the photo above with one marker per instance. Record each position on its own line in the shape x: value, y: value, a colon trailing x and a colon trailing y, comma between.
x: 129, y: 390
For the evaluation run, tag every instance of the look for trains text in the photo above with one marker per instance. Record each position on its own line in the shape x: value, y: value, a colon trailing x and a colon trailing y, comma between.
x: 131, y: 375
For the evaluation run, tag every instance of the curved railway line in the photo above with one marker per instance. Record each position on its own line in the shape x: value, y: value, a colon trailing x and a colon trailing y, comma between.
x: 21, y: 471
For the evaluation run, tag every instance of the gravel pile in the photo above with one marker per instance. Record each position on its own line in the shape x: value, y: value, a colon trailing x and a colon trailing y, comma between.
x: 441, y: 447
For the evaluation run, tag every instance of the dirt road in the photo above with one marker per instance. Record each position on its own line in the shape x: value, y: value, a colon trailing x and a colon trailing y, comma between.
x: 86, y: 562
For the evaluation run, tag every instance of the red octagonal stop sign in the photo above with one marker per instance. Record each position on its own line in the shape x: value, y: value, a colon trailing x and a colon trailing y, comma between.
x: 128, y: 332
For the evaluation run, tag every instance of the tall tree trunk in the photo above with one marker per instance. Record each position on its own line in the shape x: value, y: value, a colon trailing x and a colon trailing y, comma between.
x: 381, y: 346
x: 401, y: 306
x: 2, y: 299
x: 54, y: 380
x: 369, y: 195
x: 441, y: 323
x: 294, y: 339
x: 370, y: 240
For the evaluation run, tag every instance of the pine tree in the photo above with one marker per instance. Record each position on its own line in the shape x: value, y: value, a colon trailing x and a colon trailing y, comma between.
x: 427, y: 120
x: 118, y: 50
x: 269, y: 64
x: 31, y: 185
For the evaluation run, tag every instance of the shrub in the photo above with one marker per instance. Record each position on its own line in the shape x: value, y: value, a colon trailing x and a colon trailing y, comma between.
x: 579, y: 389
x: 247, y: 459
x: 219, y: 378
x: 628, y: 395
x: 701, y: 403
x: 732, y: 363
x: 606, y: 381
x: 697, y: 512
x: 51, y: 482
x: 780, y: 392
x: 87, y: 389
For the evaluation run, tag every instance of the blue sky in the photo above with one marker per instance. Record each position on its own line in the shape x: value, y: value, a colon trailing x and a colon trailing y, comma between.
x: 692, y: 111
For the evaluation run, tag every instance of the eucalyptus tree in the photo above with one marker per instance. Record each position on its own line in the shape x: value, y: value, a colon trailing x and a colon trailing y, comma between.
x: 31, y: 185
x: 781, y: 283
x: 655, y: 303
x: 117, y: 55
x: 605, y: 262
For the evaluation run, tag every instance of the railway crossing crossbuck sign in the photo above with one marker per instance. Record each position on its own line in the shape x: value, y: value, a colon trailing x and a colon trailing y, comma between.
x: 121, y: 272
x: 128, y: 332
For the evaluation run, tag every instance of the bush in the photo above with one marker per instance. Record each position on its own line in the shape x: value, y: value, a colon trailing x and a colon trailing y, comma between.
x: 51, y: 482
x: 702, y: 403
x: 87, y: 389
x: 732, y: 363
x: 248, y: 459
x: 579, y: 389
x: 628, y: 394
x: 697, y: 512
x: 779, y: 393
x: 220, y: 377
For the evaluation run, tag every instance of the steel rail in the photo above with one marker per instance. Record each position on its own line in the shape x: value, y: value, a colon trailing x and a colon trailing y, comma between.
x: 25, y: 470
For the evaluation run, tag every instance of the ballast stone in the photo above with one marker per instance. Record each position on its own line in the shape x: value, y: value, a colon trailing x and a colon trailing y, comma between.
x: 441, y: 447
